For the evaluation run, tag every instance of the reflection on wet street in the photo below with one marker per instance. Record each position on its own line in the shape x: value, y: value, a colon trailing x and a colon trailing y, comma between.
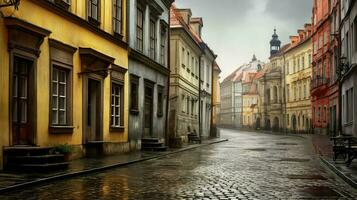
x: 248, y: 166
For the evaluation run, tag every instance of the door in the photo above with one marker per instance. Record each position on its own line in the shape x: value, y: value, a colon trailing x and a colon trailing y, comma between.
x: 22, y: 133
x: 148, y: 112
x: 94, y: 110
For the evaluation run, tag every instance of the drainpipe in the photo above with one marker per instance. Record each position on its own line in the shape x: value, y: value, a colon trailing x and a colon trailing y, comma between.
x: 199, y: 100
x: 211, y: 125
x: 167, y: 136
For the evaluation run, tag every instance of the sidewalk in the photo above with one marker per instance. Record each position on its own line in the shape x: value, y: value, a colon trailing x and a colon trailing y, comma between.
x: 10, y: 181
x: 323, y: 147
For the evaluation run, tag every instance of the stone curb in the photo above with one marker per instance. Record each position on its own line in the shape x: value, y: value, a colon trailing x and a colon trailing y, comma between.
x: 99, y: 169
x: 339, y: 173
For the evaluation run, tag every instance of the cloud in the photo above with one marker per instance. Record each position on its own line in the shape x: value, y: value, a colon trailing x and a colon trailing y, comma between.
x: 235, y: 29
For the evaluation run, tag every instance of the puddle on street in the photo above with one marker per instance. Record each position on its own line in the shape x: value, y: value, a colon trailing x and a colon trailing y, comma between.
x: 294, y: 159
x: 310, y: 177
x: 256, y: 149
x: 286, y: 143
x: 319, y: 191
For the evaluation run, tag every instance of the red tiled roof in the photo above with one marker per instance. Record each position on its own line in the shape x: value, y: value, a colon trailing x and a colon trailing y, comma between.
x: 176, y: 20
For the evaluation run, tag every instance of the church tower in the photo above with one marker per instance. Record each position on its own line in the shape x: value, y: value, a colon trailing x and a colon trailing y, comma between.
x: 274, y: 44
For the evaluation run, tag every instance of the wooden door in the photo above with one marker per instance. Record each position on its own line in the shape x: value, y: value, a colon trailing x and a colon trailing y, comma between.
x: 148, y: 112
x: 22, y: 133
x: 93, y: 111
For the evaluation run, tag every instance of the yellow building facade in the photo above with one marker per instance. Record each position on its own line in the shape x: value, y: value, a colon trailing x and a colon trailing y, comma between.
x: 63, y: 76
x: 297, y: 81
x: 216, y: 99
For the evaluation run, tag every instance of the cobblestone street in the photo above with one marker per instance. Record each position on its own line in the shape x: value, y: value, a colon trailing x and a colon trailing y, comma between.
x: 249, y: 166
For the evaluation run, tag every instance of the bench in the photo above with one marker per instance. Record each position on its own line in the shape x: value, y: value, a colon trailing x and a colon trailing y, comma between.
x: 346, y: 146
x: 193, y: 138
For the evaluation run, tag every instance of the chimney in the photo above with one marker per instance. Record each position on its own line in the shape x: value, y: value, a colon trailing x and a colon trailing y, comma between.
x: 294, y: 39
x: 185, y: 14
x: 308, y: 29
x: 301, y: 34
x: 196, y: 24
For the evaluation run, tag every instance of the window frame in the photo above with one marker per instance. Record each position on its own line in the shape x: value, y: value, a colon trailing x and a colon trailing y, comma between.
x: 117, y: 18
x: 91, y: 18
x: 134, y: 106
x: 152, y: 37
x: 140, y: 41
x: 120, y: 84
x: 160, y: 101
x: 163, y: 42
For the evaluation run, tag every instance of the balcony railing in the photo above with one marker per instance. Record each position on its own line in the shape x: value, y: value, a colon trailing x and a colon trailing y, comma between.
x: 319, y: 81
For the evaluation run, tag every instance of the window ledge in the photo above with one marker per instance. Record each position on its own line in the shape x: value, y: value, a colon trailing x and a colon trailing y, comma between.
x: 160, y: 115
x: 117, y: 129
x: 118, y: 35
x: 93, y: 21
x: 348, y: 124
x: 61, y: 129
x: 134, y: 111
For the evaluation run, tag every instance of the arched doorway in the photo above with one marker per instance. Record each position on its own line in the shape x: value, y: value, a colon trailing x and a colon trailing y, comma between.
x: 276, y: 124
x: 257, y: 123
x: 267, y: 124
x: 293, y: 121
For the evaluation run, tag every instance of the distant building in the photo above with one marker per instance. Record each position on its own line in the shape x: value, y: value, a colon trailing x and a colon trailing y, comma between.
x: 298, y: 60
x: 232, y: 94
x: 148, y: 70
x: 324, y: 88
x: 348, y: 30
x: 270, y: 88
x: 191, y: 65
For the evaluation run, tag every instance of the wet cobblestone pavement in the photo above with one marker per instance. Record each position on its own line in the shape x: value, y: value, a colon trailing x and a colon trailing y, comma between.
x: 248, y: 166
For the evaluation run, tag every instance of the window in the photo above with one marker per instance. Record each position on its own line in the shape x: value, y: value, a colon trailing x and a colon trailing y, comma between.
x: 325, y: 114
x: 310, y: 60
x: 355, y: 33
x: 117, y: 16
x: 152, y: 38
x: 183, y: 103
x: 160, y: 101
x: 134, y: 94
x: 305, y: 92
x: 349, y: 105
x: 319, y: 114
x: 192, y: 107
x: 298, y: 64
x: 139, y: 28
x: 303, y: 62
x: 117, y: 108
x: 188, y: 105
x: 93, y: 11
x: 59, y: 96
x: 287, y: 67
x: 294, y: 70
x: 188, y: 60
x: 183, y: 57
x: 163, y: 44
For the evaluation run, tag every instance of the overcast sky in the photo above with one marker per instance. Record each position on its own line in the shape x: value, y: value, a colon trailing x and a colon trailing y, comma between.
x: 235, y: 29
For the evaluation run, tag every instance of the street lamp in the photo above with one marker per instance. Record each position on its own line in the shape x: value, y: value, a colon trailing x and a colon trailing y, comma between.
x: 7, y: 3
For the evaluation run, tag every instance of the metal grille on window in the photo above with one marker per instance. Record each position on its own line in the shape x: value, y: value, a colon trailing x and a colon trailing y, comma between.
x: 59, y: 97
x: 115, y: 105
